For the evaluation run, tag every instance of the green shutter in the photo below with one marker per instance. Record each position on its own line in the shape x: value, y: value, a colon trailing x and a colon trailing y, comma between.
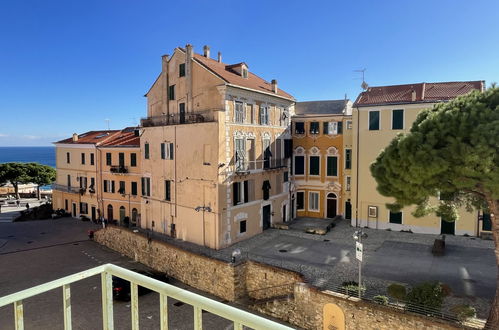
x: 374, y: 120
x: 325, y: 127
x: 314, y: 165
x: 332, y: 166
x: 340, y: 127
x: 398, y: 119
x: 163, y: 151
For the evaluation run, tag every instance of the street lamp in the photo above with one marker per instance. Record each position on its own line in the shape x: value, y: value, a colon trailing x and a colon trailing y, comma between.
x: 235, y: 253
x: 124, y: 194
x: 358, y: 235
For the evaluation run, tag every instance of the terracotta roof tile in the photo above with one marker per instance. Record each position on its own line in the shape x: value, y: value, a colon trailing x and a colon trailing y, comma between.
x: 91, y: 137
x: 125, y: 138
x: 416, y: 93
x: 227, y: 73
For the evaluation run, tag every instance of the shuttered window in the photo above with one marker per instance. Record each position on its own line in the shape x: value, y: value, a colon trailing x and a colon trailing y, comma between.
x: 332, y: 166
x: 314, y: 165
x: 109, y: 159
x: 181, y: 70
x: 314, y: 127
x: 299, y: 128
x: 146, y: 151
x: 348, y: 159
x: 373, y: 120
x: 398, y: 119
x: 299, y: 165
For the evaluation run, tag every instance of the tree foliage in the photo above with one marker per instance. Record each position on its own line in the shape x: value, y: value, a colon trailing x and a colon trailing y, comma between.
x: 452, y: 151
x: 21, y: 173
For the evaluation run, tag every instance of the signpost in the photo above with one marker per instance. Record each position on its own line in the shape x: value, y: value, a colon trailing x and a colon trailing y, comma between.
x: 359, y: 248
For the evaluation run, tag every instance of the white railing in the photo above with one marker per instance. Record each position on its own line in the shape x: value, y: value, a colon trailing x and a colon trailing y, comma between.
x: 239, y: 317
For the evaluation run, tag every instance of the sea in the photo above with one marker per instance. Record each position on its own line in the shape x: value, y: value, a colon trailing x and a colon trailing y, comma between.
x: 42, y: 155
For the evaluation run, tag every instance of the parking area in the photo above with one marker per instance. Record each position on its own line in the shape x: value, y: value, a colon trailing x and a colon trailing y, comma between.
x: 36, y: 252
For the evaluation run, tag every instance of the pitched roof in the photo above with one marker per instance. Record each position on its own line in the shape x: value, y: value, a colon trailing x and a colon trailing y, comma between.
x: 417, y: 93
x: 327, y: 107
x: 91, y: 137
x: 125, y: 138
x: 230, y: 76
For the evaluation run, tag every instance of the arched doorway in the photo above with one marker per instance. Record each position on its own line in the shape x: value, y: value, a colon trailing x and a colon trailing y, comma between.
x: 134, y: 217
x: 332, y: 205
x: 110, y: 213
x: 122, y: 213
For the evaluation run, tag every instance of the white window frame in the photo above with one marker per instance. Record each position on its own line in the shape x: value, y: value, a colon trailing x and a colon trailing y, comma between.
x: 300, y: 191
x: 239, y: 110
x: 372, y: 211
x: 379, y: 120
x: 310, y: 167
x: 348, y: 125
x: 332, y: 128
x: 264, y: 114
x: 403, y: 121
x: 243, y: 150
x: 310, y: 193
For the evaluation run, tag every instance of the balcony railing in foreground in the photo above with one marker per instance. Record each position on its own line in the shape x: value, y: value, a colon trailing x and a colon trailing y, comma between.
x: 180, y: 118
x: 239, y: 317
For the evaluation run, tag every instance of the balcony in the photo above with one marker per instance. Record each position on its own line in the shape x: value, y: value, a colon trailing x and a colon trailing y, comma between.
x: 244, y: 166
x: 179, y: 118
x: 199, y: 303
x: 119, y: 169
x: 65, y: 188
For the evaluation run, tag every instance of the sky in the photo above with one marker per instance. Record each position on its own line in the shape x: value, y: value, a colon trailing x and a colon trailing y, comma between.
x: 67, y: 66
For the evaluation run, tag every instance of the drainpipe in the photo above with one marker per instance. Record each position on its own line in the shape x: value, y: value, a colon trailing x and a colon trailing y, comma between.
x: 357, y: 181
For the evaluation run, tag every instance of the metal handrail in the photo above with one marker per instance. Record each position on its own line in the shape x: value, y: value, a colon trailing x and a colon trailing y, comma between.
x: 239, y: 317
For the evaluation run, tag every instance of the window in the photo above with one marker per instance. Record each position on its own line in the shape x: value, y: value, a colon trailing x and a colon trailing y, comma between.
x: 300, y: 200
x: 66, y: 204
x: 286, y: 176
x: 92, y: 159
x: 83, y: 182
x: 146, y: 186
x: 241, y: 192
x: 181, y: 70
x: 112, y: 187
x: 373, y: 120
x: 134, y: 188
x: 395, y: 217
x: 299, y: 128
x: 163, y: 151
x: 299, y: 165
x: 82, y: 158
x: 314, y: 127
x: 313, y: 201
x: 92, y: 184
x: 252, y: 113
x: 168, y: 191
x: 372, y: 211
x: 146, y: 151
x: 348, y: 159
x: 332, y: 166
x: 266, y: 189
x: 348, y: 183
x: 398, y: 119
x: 68, y: 157
x: 133, y: 159
x: 330, y: 128
x: 122, y: 188
x: 264, y: 115
x: 267, y: 154
x: 314, y: 165
x: 108, y: 159
x: 83, y: 208
x: 239, y: 154
x: 349, y: 124
x: 171, y: 92
x: 69, y: 181
x: 108, y: 186
x: 242, y: 226
x: 239, y: 112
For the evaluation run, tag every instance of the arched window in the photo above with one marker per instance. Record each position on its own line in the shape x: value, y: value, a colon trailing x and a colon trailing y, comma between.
x: 122, y: 213
x: 110, y: 212
x: 134, y: 216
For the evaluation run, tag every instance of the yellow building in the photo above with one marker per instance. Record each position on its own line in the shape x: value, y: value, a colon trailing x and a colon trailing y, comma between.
x: 379, y: 114
x: 321, y: 163
x: 119, y: 177
x: 215, y: 151
x: 76, y: 186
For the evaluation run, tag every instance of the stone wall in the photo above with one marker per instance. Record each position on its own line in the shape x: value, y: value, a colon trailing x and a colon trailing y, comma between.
x: 209, y: 275
x: 295, y: 303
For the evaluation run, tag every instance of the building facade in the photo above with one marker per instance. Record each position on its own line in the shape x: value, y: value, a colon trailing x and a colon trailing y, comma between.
x: 216, y: 151
x: 320, y: 158
x: 379, y: 114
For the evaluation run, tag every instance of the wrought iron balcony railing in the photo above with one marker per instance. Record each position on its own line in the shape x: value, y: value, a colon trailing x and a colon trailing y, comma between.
x: 65, y: 188
x: 242, y: 165
x: 180, y: 118
x: 118, y: 169
x: 239, y: 317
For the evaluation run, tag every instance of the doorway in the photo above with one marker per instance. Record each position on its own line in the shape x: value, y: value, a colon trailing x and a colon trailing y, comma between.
x: 266, y: 216
x: 348, y: 210
x: 447, y: 227
x: 332, y: 208
x: 284, y: 207
x: 93, y: 213
x: 182, y: 113
x: 74, y: 210
x: 110, y: 213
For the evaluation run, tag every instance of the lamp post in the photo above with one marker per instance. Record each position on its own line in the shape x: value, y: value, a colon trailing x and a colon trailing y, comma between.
x: 129, y: 209
x: 357, y: 236
x: 207, y: 209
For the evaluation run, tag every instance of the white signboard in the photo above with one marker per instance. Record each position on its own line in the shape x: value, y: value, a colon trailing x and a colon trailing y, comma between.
x: 358, y: 251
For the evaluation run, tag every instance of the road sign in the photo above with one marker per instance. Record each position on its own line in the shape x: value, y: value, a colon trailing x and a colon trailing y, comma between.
x: 358, y: 251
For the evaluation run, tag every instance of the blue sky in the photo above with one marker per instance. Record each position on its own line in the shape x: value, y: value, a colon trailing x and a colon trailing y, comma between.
x: 66, y: 66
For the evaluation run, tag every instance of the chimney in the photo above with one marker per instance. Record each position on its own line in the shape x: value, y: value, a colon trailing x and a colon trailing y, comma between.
x: 413, y: 95
x: 206, y: 51
x: 274, y: 85
x: 189, y: 51
x: 219, y: 57
x: 75, y: 137
x: 164, y: 63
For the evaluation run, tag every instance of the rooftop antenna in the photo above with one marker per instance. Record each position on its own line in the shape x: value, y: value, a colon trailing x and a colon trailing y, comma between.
x: 107, y: 121
x: 364, y: 85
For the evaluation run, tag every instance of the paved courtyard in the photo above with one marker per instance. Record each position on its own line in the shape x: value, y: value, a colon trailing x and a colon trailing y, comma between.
x: 36, y: 252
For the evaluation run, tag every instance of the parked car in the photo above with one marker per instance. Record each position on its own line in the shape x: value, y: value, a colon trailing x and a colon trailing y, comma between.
x: 121, y: 287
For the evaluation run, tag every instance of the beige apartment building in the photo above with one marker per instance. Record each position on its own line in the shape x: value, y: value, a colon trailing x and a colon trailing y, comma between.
x: 76, y: 186
x: 379, y: 114
x: 216, y: 151
x: 119, y: 180
x: 322, y: 159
